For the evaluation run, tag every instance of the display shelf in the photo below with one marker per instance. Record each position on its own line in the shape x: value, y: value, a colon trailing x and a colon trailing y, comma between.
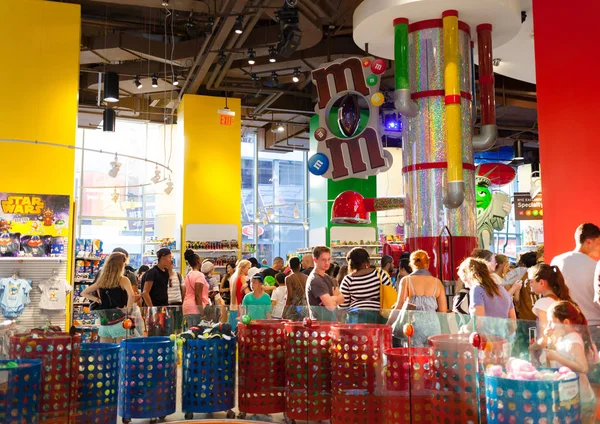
x: 217, y: 251
x: 83, y: 280
x: 355, y: 245
x: 89, y: 258
x: 58, y: 259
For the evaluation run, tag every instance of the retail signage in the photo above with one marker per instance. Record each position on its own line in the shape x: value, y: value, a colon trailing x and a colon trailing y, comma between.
x: 526, y: 208
x: 33, y: 224
x: 352, y: 87
x: 248, y: 230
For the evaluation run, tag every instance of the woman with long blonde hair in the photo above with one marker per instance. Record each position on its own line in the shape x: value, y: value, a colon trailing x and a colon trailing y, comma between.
x: 239, y: 288
x: 114, y: 295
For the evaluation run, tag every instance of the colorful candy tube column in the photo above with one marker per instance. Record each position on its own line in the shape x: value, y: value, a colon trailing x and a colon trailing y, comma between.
x: 20, y: 391
x: 489, y: 131
x: 98, y: 385
x: 424, y: 151
x: 308, y: 371
x: 402, y: 98
x: 357, y: 363
x: 455, y: 186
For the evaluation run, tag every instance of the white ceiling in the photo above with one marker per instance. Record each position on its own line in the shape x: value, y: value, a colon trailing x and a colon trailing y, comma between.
x: 517, y: 57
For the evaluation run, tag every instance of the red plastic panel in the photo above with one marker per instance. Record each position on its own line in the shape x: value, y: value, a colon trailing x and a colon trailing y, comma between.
x: 59, y: 353
x: 357, y: 372
x: 408, y: 380
x: 261, y: 373
x: 308, y: 371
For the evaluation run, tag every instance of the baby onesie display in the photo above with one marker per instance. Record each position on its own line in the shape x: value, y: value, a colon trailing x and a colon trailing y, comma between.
x: 14, y: 296
x: 54, y: 294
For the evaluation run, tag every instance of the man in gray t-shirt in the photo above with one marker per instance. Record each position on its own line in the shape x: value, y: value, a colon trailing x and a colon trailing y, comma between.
x: 321, y: 295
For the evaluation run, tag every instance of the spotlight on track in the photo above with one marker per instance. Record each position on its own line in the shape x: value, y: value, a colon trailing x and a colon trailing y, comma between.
x: 156, y: 177
x: 115, y: 167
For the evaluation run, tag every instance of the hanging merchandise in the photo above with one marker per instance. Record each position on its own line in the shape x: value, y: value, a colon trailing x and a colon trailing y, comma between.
x: 54, y: 293
x: 14, y: 295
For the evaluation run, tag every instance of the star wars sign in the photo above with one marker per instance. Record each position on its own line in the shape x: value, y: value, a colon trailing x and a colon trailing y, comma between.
x: 349, y: 144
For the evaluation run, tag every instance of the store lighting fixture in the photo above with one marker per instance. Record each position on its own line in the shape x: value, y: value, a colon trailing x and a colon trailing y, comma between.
x: 175, y: 80
x: 109, y: 119
x: 296, y: 77
x: 251, y: 57
x: 306, y: 227
x: 169, y: 187
x: 257, y: 220
x: 115, y: 167
x: 296, y: 211
x: 518, y: 150
x: 272, y: 55
x: 111, y: 87
x: 280, y: 128
x: 115, y: 196
x: 392, y: 122
x: 271, y: 214
x: 221, y: 58
x: 154, y: 81
x: 137, y: 82
x: 165, y: 3
x: 275, y: 78
x: 255, y: 80
x: 265, y: 219
x: 238, y: 27
x: 156, y: 177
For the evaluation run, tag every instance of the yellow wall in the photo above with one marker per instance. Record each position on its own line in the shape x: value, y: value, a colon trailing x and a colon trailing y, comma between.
x: 39, y: 80
x: 212, y: 162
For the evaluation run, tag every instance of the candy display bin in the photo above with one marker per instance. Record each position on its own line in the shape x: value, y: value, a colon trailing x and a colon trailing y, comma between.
x: 20, y: 391
x: 208, y: 376
x: 98, y: 383
x: 519, y: 401
x: 147, y: 378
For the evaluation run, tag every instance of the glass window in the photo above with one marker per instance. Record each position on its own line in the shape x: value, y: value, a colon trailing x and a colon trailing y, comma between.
x: 281, y: 182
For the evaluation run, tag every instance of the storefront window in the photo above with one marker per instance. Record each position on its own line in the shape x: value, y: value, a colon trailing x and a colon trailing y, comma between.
x: 281, y: 180
x: 125, y: 219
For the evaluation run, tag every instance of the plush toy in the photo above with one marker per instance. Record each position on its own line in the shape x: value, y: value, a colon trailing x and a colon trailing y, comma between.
x: 520, y: 369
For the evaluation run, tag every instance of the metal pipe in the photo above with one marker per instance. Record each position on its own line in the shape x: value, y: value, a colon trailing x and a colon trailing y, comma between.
x: 402, y: 98
x: 455, y: 185
x: 489, y: 131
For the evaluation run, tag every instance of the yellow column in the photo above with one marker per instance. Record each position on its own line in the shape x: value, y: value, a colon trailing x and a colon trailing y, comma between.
x: 212, y: 175
x: 39, y: 79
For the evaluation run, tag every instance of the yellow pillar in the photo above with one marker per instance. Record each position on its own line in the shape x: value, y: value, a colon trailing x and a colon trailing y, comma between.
x: 212, y: 175
x: 39, y: 79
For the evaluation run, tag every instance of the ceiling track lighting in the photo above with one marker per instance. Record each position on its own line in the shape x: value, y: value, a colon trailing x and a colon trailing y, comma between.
x: 271, y: 214
x: 296, y: 211
x: 111, y: 87
x: 280, y: 128
x: 518, y: 150
x: 251, y: 57
x: 296, y: 75
x: 306, y: 226
x: 115, y: 167
x: 165, y: 3
x: 138, y: 82
x: 238, y: 27
x: 272, y: 55
x: 175, y: 79
x: 156, y: 177
x: 265, y: 219
x: 169, y: 187
x: 275, y: 78
x: 109, y: 119
x: 155, y: 81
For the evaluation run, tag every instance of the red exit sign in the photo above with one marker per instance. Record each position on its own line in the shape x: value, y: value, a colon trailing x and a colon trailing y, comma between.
x: 226, y: 120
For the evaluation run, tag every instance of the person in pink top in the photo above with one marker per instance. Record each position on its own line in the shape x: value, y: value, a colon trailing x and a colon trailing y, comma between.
x: 195, y: 290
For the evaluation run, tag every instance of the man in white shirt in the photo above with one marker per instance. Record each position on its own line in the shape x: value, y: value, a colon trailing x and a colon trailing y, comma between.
x: 578, y: 268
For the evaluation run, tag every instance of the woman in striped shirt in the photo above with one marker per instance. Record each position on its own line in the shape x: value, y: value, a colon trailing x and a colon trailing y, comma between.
x: 361, y: 288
